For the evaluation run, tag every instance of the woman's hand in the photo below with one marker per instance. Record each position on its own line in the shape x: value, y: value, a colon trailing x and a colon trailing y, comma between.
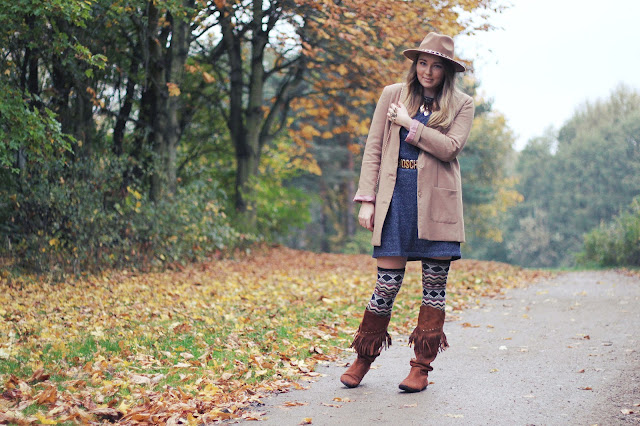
x: 365, y: 216
x: 398, y: 114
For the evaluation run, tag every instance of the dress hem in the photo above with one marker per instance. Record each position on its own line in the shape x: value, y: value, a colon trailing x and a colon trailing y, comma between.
x: 418, y: 256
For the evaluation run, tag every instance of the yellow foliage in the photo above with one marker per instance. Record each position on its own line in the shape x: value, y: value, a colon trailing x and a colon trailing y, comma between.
x: 308, y: 132
x: 173, y: 88
x: 208, y: 78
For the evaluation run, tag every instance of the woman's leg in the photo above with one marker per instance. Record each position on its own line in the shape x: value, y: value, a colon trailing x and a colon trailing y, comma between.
x: 390, y: 276
x: 428, y: 337
x: 372, y: 334
x: 435, y: 272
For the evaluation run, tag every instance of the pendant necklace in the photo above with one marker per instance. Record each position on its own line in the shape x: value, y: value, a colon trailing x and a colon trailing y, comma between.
x: 427, y: 105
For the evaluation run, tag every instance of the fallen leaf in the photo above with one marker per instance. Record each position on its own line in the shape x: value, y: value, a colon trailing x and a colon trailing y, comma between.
x: 586, y: 388
x: 45, y: 421
x: 47, y: 396
x: 581, y: 371
x: 38, y: 376
x: 626, y: 411
x: 331, y: 405
x: 253, y: 416
x: 140, y: 380
x: 306, y: 421
x: 110, y: 414
x: 294, y: 403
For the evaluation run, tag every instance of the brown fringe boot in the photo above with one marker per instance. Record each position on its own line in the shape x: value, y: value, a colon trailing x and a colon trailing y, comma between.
x: 428, y: 339
x: 369, y: 340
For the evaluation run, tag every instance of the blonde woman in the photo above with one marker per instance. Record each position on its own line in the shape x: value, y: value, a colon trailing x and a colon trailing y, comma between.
x: 411, y: 199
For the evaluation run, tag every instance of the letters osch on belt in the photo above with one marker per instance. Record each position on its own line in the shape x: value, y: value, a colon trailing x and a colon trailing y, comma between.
x: 407, y: 164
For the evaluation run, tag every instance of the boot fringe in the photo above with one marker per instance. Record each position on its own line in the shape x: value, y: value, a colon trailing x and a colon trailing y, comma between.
x: 371, y: 343
x: 425, y: 343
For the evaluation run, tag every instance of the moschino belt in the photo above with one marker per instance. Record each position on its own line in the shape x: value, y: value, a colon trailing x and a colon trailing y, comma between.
x: 407, y: 164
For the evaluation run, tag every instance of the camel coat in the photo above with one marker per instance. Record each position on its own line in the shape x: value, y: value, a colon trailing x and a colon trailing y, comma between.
x: 439, y: 185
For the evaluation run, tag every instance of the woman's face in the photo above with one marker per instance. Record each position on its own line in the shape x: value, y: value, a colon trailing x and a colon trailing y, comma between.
x: 430, y: 72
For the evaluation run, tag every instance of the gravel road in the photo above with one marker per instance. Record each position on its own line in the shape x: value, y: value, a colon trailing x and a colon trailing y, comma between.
x: 564, y: 351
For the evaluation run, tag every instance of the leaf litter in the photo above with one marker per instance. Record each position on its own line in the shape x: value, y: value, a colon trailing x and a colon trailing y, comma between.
x: 199, y: 344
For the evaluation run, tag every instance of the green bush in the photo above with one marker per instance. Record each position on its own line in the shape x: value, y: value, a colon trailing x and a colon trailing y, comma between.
x: 360, y: 243
x: 616, y: 243
x: 276, y: 209
x: 88, y: 214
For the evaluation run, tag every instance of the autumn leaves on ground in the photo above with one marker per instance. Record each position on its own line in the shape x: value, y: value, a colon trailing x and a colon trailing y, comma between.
x: 198, y: 344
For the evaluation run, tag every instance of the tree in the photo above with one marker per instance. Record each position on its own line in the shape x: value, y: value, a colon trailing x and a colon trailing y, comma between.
x: 488, y: 182
x: 33, y: 41
x: 583, y: 176
x: 340, y: 49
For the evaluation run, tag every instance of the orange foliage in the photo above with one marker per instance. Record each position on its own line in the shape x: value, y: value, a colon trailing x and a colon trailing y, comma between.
x: 357, y: 49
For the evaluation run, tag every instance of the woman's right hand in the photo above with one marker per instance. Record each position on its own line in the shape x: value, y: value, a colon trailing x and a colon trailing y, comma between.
x: 365, y: 216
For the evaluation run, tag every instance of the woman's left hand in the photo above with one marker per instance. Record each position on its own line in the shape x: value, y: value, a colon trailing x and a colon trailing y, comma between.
x: 398, y: 114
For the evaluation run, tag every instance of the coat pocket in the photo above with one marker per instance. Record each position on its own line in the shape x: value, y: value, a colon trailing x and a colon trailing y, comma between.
x: 444, y: 205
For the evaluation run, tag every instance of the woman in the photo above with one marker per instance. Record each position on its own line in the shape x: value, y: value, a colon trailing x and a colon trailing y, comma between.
x: 418, y: 130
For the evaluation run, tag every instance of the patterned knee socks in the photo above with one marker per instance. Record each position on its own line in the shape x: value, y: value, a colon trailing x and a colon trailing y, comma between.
x: 387, y: 287
x: 434, y: 282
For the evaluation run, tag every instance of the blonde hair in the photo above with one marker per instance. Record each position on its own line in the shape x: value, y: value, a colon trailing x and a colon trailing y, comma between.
x: 444, y: 103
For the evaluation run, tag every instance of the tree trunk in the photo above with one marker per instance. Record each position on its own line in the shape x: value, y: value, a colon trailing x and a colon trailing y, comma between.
x: 178, y: 53
x: 250, y: 128
x: 125, y: 110
x: 154, y: 99
x: 244, y: 156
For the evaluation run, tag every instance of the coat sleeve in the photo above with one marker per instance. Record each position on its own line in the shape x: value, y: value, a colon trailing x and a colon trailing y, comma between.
x: 373, y: 150
x: 447, y: 146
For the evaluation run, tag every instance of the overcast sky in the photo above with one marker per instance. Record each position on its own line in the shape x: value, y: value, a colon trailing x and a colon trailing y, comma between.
x: 553, y: 55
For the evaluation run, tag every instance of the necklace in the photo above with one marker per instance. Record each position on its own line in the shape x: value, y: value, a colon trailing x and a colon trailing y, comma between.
x: 427, y: 105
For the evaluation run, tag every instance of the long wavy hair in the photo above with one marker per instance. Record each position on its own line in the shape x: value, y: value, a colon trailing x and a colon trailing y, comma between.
x: 444, y: 103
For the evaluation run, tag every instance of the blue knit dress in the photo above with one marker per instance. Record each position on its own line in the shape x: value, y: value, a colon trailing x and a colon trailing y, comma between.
x: 400, y: 230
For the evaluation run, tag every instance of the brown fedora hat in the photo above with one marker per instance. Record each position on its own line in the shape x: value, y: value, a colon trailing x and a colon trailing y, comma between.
x: 436, y: 44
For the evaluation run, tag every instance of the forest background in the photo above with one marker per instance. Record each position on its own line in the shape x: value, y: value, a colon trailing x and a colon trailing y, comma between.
x: 153, y: 133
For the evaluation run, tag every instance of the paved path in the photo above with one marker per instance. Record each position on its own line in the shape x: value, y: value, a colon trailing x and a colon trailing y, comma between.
x: 563, y: 351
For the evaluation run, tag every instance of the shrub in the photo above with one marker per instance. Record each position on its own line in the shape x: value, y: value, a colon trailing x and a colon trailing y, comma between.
x: 87, y: 215
x: 616, y: 243
x: 278, y: 209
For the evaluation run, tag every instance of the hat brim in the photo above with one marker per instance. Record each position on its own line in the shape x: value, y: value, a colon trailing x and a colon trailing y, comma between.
x: 414, y: 53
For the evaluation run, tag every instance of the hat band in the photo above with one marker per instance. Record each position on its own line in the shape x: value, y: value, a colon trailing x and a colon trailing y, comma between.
x: 434, y: 52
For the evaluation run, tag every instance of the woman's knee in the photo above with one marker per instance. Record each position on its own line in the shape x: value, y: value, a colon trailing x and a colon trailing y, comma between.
x: 392, y: 262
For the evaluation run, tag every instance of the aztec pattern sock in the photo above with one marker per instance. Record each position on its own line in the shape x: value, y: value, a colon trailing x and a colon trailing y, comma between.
x: 387, y: 286
x: 434, y: 282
